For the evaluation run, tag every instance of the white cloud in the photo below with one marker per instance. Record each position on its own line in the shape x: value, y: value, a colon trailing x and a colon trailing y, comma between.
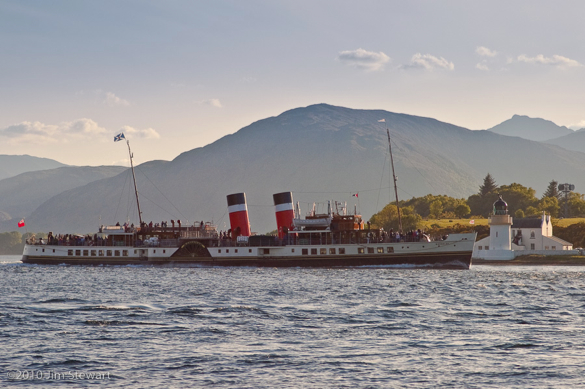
x: 577, y: 126
x: 485, y: 52
x: 482, y: 66
x: 112, y: 100
x: 213, y: 102
x: 37, y: 132
x: 428, y: 62
x: 148, y: 133
x: 556, y: 60
x: 363, y: 59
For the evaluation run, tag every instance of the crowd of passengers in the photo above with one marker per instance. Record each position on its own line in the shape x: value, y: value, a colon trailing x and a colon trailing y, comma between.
x: 69, y: 240
x: 225, y: 238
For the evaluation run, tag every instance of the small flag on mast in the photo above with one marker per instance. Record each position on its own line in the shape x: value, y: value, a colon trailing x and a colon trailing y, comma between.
x: 118, y: 137
x: 382, y: 121
x: 355, y: 195
x: 21, y: 223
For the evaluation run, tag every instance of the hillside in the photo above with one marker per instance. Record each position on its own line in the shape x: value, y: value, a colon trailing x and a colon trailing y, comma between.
x: 574, y: 141
x: 22, y: 194
x: 530, y: 128
x: 318, y: 152
x: 12, y: 165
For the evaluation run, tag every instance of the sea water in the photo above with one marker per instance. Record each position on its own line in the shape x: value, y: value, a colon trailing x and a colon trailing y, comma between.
x: 142, y: 327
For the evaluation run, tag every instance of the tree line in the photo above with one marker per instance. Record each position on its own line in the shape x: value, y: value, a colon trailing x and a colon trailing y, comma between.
x: 521, y: 200
x: 12, y: 243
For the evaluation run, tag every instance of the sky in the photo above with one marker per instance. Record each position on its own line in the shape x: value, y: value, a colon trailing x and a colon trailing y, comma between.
x: 177, y: 75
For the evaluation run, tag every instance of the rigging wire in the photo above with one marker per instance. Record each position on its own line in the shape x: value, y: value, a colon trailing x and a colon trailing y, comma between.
x: 121, y: 193
x: 166, y: 198
x: 156, y: 204
x: 381, y: 178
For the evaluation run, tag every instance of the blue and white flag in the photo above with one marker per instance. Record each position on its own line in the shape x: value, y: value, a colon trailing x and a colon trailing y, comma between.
x: 118, y: 137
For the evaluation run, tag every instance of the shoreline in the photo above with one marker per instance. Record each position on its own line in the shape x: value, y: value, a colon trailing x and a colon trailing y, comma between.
x: 534, y: 260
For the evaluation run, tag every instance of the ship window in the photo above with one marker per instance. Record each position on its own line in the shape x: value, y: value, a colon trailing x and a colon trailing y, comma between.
x: 332, y: 251
x: 322, y: 251
x: 135, y: 251
x: 305, y: 251
x: 249, y: 250
x: 219, y: 251
x: 53, y: 250
x: 236, y: 250
x: 227, y: 250
x: 85, y: 252
x: 342, y: 250
x: 360, y: 250
x: 266, y: 251
x: 93, y: 253
x: 291, y: 250
x: 43, y: 250
x: 380, y: 250
x: 109, y: 253
x: 101, y: 253
x: 69, y: 252
x: 313, y: 251
x: 389, y: 249
x: 77, y: 252
x: 117, y: 253
x: 164, y: 251
x: 370, y: 250
x: 124, y: 253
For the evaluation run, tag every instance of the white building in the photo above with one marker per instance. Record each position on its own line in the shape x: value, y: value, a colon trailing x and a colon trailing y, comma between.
x: 510, y: 238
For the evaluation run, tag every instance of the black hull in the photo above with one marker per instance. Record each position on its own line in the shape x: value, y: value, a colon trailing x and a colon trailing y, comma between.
x: 458, y: 260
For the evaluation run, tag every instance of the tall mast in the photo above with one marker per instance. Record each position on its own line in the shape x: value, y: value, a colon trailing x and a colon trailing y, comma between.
x: 135, y: 188
x: 394, y: 178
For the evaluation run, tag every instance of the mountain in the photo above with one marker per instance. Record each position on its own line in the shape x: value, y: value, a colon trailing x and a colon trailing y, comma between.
x: 320, y: 153
x: 12, y: 165
x: 530, y: 128
x: 573, y: 141
x: 22, y: 194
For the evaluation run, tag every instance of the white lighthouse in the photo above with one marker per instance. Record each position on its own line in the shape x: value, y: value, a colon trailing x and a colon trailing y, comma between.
x: 500, y: 241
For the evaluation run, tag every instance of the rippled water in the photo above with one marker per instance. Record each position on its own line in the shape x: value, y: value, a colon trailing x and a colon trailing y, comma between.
x: 264, y: 328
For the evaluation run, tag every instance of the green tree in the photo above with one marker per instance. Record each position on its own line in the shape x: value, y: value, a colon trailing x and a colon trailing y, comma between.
x: 531, y: 211
x: 489, y: 185
x: 519, y: 214
x: 552, y: 190
x: 436, y: 208
x: 518, y: 197
x: 549, y: 205
x: 387, y: 218
x: 11, y: 243
x: 462, y: 210
x: 422, y: 205
x: 481, y: 205
x: 576, y: 204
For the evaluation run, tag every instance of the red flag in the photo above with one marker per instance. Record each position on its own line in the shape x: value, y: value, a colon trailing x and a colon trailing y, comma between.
x: 355, y: 195
x: 21, y: 223
x: 472, y: 221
